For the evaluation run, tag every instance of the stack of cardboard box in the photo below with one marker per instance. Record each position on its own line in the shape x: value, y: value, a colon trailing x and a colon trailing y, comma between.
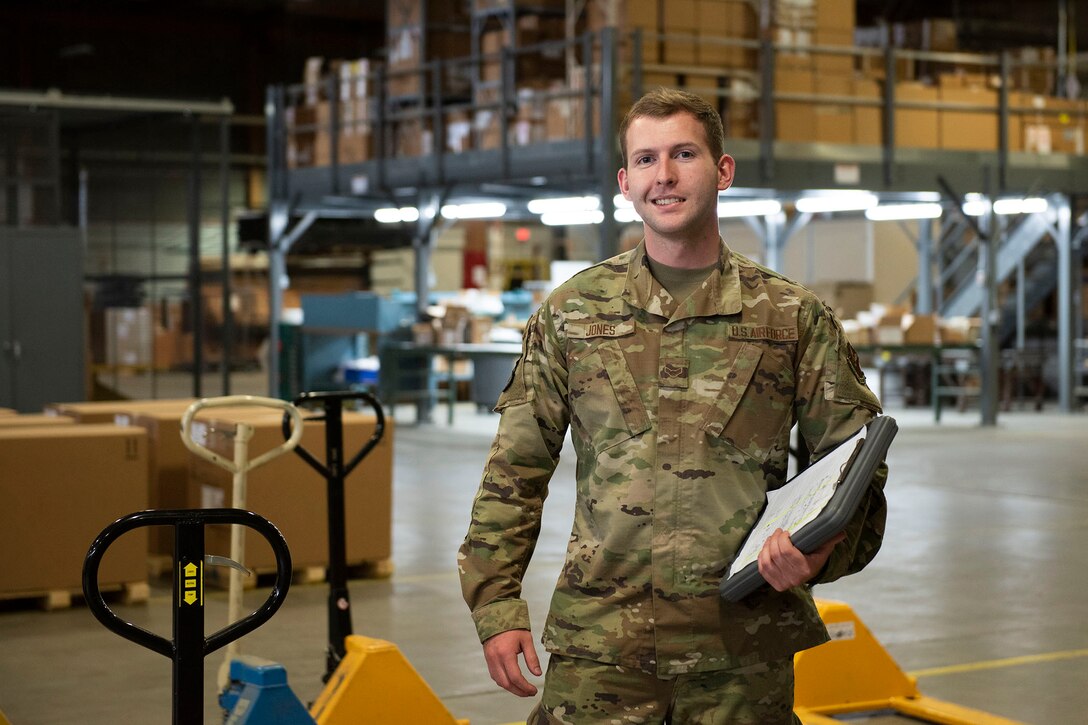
x: 894, y: 325
x: 535, y: 65
x: 310, y: 124
x: 803, y: 69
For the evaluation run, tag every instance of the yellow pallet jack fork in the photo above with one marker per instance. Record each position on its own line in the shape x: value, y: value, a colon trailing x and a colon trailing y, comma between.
x: 854, y: 674
x: 375, y: 683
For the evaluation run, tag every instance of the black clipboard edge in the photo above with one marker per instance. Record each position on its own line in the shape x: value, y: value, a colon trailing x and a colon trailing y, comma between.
x: 860, y: 469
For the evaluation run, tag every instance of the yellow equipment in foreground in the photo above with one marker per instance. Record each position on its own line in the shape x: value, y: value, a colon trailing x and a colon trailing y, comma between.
x: 853, y: 673
x: 375, y: 683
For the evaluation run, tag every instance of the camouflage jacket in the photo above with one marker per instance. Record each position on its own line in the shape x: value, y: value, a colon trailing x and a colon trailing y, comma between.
x: 680, y: 415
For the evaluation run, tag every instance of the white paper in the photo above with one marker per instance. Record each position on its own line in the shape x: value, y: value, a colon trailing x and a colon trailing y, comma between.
x: 798, y: 502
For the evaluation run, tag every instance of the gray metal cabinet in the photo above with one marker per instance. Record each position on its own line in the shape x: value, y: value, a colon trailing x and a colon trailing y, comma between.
x: 41, y: 317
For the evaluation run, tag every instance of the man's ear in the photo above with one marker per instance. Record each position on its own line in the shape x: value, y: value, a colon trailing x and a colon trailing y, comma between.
x: 726, y: 169
x: 621, y: 177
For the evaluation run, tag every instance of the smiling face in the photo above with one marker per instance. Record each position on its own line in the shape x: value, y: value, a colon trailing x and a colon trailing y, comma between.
x: 672, y: 178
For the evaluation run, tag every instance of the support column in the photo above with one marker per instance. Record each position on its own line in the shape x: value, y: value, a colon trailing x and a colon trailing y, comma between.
x: 276, y: 150
x: 423, y: 244
x: 224, y: 210
x: 1066, y: 271
x: 990, y: 314
x: 609, y: 158
x: 195, y: 279
x: 924, y: 302
x: 772, y: 241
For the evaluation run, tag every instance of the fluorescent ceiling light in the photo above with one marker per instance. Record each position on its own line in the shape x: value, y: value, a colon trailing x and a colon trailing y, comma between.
x: 1031, y: 205
x: 572, y: 218
x: 891, y: 212
x: 837, y: 201
x: 396, y: 216
x: 564, y: 204
x: 479, y: 210
x: 976, y: 205
x: 751, y: 207
x: 626, y: 216
x: 620, y: 203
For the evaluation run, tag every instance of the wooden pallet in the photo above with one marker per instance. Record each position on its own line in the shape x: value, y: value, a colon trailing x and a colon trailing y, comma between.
x: 53, y: 599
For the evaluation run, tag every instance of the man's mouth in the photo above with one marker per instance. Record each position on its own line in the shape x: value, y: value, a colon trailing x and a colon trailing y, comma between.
x: 667, y: 201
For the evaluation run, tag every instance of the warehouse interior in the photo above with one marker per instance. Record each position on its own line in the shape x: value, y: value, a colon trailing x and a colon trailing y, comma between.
x: 280, y: 197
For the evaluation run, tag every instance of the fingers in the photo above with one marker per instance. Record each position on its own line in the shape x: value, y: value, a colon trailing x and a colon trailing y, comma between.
x: 776, y: 562
x: 501, y: 653
x: 783, y: 565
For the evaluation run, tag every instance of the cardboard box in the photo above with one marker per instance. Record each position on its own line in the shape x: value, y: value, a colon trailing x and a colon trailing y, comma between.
x: 838, y: 15
x: 834, y: 122
x: 868, y: 120
x: 681, y: 52
x: 680, y: 16
x: 959, y: 330
x: 834, y: 63
x: 888, y: 334
x: 642, y: 14
x: 128, y: 336
x: 845, y: 297
x: 794, y: 120
x: 292, y: 495
x: 61, y: 486
x: 795, y: 53
x: 916, y: 127
x: 970, y: 130
x: 105, y: 411
x: 34, y: 420
x: 1066, y: 119
x: 919, y: 329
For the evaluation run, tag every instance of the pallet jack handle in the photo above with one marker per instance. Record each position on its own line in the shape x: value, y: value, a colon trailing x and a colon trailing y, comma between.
x: 335, y: 470
x: 239, y: 467
x: 189, y: 646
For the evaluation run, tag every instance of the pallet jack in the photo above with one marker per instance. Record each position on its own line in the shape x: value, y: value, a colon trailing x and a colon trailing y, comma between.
x: 189, y: 646
x: 367, y: 680
x: 853, y: 675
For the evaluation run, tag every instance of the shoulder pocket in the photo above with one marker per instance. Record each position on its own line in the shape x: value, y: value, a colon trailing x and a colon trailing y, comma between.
x: 519, y: 388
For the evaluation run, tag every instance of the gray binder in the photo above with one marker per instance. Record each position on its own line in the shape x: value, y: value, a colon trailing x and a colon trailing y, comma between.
x: 856, y: 475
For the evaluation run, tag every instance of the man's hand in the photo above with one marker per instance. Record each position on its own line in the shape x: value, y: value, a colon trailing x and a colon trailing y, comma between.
x: 784, y: 566
x: 501, y: 653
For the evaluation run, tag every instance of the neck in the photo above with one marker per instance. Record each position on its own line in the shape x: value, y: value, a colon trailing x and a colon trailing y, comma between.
x: 684, y: 253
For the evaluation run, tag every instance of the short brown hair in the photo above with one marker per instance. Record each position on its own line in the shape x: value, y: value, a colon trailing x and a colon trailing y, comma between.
x: 665, y: 102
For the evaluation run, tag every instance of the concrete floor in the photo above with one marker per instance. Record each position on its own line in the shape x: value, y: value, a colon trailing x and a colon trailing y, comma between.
x: 980, y: 588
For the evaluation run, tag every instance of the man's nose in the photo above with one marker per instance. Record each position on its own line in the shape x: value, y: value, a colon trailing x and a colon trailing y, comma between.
x: 665, y: 172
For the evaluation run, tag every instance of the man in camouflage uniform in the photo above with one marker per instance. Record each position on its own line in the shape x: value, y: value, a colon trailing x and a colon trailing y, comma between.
x: 680, y: 368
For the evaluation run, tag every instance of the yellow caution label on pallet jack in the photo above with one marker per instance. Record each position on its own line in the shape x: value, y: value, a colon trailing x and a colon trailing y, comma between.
x: 191, y: 578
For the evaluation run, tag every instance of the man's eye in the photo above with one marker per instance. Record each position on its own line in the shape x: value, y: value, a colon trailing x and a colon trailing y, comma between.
x: 643, y: 160
x: 685, y: 154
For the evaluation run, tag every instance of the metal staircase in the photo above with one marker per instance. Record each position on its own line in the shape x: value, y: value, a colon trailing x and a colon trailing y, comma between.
x: 965, y: 299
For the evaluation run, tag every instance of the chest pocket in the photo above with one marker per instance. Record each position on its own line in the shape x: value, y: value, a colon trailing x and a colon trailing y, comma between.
x: 605, y: 405
x: 754, y: 403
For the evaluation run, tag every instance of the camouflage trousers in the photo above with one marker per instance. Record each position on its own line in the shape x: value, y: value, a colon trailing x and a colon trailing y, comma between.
x: 580, y: 692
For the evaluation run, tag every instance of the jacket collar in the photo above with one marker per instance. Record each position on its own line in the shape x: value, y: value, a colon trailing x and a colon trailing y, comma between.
x: 719, y: 295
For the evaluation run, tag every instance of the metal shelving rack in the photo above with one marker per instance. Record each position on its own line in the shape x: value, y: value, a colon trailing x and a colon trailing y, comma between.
x: 765, y: 168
